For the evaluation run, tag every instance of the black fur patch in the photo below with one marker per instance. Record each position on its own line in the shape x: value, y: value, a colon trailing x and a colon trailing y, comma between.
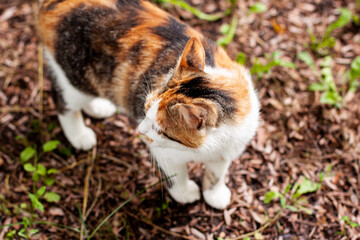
x: 121, y: 4
x: 172, y: 31
x: 209, y: 47
x: 197, y: 88
x: 87, y: 41
x: 134, y: 55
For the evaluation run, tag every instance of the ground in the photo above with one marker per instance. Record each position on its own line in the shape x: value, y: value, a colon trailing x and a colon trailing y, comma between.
x: 300, y: 140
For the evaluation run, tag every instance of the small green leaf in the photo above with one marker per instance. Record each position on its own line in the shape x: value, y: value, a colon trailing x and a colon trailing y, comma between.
x: 40, y: 191
x: 39, y: 206
x: 326, y: 62
x: 50, y: 145
x: 288, y: 187
x: 292, y: 208
x: 35, y: 177
x: 330, y: 98
x: 29, y: 167
x: 270, y: 195
x: 328, y: 170
x: 257, y: 7
x: 26, y: 222
x: 241, y: 58
x: 33, y: 232
x: 26, y: 154
x: 282, y: 201
x: 355, y: 68
x: 305, y: 209
x: 21, y: 233
x: 347, y: 220
x: 32, y: 199
x: 23, y: 205
x: 276, y: 55
x: 306, y: 58
x: 318, y: 87
x: 225, y: 28
x: 306, y: 186
x: 52, y: 197
x: 49, y: 181
x: 344, y: 18
x: 52, y: 171
x: 41, y: 169
x: 282, y: 63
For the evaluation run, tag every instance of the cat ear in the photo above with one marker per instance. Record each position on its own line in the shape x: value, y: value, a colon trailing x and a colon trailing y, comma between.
x: 193, y: 115
x: 193, y: 55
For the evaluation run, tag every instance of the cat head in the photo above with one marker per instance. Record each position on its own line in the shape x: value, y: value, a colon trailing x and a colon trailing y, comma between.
x: 191, y: 104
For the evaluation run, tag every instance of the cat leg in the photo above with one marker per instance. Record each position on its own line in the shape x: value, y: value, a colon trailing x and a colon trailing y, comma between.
x: 99, y: 108
x: 69, y: 102
x: 79, y: 135
x: 180, y: 187
x: 215, y: 191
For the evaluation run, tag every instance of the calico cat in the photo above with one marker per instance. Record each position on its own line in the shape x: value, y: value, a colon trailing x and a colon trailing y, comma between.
x: 192, y: 102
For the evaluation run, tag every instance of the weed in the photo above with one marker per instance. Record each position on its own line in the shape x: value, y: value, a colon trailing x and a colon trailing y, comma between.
x: 326, y: 84
x: 38, y: 172
x: 257, y: 7
x: 228, y: 31
x: 273, y: 60
x: 241, y: 58
x: 295, y: 200
x: 201, y: 15
x: 354, y: 74
x: 322, y: 46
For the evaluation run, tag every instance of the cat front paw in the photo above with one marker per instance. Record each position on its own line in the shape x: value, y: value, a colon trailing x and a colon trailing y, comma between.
x: 85, y: 140
x: 218, y: 197
x: 185, y: 194
x: 100, y: 108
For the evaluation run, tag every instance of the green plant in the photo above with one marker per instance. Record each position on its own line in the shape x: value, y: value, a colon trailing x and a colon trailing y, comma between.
x: 273, y: 60
x: 293, y: 196
x: 326, y: 84
x: 39, y: 174
x: 241, y: 58
x: 257, y: 7
x: 195, y: 11
x: 228, y: 31
x: 354, y: 74
x: 321, y: 46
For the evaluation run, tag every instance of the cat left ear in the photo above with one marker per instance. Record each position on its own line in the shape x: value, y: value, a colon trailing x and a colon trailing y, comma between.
x: 193, y: 55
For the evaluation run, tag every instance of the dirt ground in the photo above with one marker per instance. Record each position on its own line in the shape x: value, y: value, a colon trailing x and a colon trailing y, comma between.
x: 299, y: 137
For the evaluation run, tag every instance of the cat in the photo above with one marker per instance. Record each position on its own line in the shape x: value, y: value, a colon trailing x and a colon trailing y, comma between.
x: 192, y: 102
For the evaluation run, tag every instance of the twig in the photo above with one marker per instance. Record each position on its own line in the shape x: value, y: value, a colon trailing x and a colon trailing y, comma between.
x: 158, y: 227
x: 266, y: 225
x: 98, y: 191
x: 71, y: 166
x: 86, y: 188
x: 15, y: 109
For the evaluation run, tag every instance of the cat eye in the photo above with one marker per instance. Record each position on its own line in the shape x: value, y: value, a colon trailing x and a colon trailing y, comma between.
x: 159, y: 132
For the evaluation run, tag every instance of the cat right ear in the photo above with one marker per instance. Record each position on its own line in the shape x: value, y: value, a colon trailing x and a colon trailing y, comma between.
x: 193, y: 56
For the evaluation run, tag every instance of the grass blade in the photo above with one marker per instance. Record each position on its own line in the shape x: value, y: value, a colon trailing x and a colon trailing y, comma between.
x: 201, y: 15
x: 123, y: 204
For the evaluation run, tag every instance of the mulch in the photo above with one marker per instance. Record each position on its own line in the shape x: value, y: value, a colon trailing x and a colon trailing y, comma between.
x: 298, y: 137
